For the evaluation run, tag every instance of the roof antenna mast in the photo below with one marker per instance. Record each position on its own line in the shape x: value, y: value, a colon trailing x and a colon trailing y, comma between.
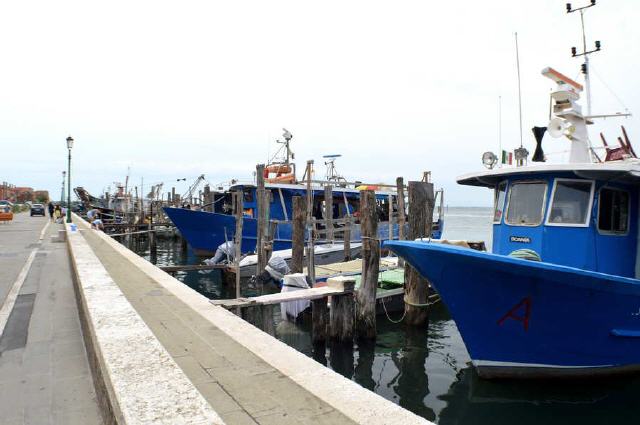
x: 519, y: 92
x: 585, y: 53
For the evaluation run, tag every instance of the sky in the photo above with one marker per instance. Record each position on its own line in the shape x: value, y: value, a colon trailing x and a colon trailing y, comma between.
x: 172, y: 90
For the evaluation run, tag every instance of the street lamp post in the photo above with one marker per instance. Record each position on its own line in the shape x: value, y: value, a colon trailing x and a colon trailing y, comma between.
x: 64, y: 182
x: 69, y: 146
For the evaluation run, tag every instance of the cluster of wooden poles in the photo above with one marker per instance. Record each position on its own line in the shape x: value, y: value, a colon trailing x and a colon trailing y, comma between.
x: 352, y: 313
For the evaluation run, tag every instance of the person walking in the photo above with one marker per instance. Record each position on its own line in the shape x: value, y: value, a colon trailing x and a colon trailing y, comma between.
x: 57, y: 214
x: 50, y: 207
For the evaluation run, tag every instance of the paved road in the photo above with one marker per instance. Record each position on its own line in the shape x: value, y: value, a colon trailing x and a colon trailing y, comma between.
x: 44, y: 374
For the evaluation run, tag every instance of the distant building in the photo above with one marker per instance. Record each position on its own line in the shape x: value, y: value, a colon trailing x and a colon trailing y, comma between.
x: 22, y: 194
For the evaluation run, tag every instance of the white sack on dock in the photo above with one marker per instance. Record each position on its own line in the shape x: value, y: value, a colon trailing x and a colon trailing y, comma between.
x: 277, y: 267
x: 294, y: 282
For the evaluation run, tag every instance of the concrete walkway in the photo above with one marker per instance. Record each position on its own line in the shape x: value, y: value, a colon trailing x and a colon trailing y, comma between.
x: 44, y: 374
x: 241, y: 387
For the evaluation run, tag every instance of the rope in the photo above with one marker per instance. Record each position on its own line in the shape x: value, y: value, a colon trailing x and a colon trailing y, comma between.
x: 427, y: 304
x: 591, y: 68
x: 404, y: 313
x: 416, y: 304
x: 384, y: 307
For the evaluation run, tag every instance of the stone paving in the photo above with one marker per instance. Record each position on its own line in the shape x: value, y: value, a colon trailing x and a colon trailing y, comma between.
x: 44, y: 373
x: 241, y: 387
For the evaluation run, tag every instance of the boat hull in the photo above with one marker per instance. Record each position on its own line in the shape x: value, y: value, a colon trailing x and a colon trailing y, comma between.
x: 206, y: 231
x: 521, y: 318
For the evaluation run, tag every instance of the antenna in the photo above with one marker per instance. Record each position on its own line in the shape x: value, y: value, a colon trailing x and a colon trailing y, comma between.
x: 500, y: 127
x: 519, y: 92
x: 332, y: 174
x: 585, y: 53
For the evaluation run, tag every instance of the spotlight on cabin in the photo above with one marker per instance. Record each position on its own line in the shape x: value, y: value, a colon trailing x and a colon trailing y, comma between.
x: 597, y: 44
x: 573, y: 51
x: 521, y: 154
x: 568, y: 7
x: 489, y: 160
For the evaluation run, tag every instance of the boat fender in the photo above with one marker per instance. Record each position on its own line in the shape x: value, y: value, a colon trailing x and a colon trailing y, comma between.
x: 526, y: 254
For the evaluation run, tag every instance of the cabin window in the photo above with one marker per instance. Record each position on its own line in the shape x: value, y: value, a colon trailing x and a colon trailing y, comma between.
x: 571, y: 203
x: 498, y: 203
x: 248, y: 195
x: 526, y: 203
x: 613, y: 212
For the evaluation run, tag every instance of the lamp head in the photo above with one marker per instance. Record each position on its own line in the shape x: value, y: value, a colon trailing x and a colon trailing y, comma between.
x: 489, y: 160
x: 69, y: 142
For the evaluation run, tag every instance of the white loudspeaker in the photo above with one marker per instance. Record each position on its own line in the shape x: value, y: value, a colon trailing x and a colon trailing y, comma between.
x: 559, y: 127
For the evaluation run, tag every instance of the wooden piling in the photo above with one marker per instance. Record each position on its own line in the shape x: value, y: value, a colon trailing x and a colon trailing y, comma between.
x: 268, y: 242
x: 390, y: 201
x: 328, y: 212
x: 237, y: 238
x: 208, y: 199
x: 366, y: 296
x: 311, y: 266
x: 347, y: 239
x: 268, y: 326
x: 401, y: 212
x: 297, y: 243
x: 341, y: 312
x: 319, y: 320
x: 153, y: 248
x: 421, y: 202
x: 263, y: 219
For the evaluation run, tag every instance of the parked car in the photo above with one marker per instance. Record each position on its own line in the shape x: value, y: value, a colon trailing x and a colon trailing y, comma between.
x: 37, y: 209
x: 6, y: 214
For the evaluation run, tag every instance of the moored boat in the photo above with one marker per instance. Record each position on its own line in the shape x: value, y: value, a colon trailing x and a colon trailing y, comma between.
x: 559, y: 296
x: 205, y: 231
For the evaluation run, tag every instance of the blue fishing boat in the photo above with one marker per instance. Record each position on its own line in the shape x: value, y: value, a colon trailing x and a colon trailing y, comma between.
x: 205, y: 231
x: 559, y: 296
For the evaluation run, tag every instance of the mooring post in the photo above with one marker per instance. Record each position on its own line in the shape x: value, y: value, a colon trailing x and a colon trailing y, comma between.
x: 266, y: 312
x: 401, y: 213
x: 421, y: 201
x: 311, y: 266
x: 342, y: 306
x: 319, y: 320
x: 328, y: 212
x: 297, y: 242
x: 152, y: 234
x: 208, y: 202
x: 346, y: 238
x: 268, y: 242
x: 390, y: 200
x: 237, y: 238
x: 263, y: 219
x: 366, y: 295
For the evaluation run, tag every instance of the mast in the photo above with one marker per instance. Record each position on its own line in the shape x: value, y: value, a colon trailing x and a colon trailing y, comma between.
x: 500, y: 128
x: 519, y: 92
x: 585, y: 53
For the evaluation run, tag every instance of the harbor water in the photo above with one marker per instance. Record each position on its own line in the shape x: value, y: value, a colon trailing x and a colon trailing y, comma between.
x: 428, y: 371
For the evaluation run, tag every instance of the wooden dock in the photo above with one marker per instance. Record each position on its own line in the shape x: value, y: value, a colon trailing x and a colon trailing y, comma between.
x: 333, y: 288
